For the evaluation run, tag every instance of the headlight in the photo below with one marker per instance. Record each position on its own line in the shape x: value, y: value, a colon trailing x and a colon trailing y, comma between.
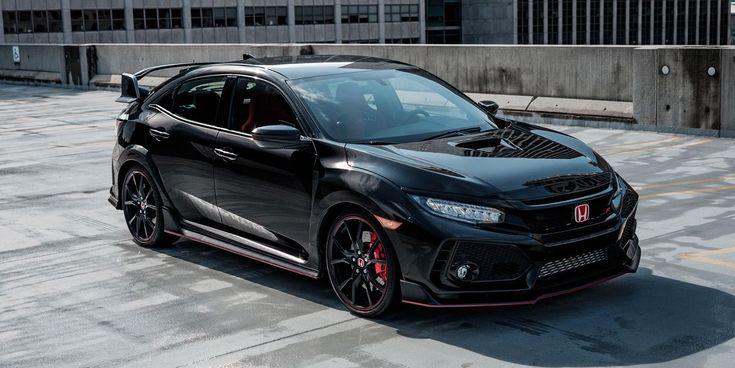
x: 461, y: 211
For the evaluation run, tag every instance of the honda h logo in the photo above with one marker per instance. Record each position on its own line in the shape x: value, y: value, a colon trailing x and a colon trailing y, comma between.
x: 582, y: 212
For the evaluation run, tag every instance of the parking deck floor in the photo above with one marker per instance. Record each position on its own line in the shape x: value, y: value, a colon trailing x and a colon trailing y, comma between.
x: 75, y: 290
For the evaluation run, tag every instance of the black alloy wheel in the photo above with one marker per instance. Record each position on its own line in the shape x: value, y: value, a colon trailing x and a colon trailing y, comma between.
x: 361, y: 265
x: 142, y: 206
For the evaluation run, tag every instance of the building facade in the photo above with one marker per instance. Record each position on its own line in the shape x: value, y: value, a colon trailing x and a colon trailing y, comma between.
x: 212, y: 21
x: 623, y: 22
x: 582, y: 22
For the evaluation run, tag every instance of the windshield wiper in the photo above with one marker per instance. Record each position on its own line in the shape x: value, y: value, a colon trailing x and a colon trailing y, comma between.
x: 453, y: 133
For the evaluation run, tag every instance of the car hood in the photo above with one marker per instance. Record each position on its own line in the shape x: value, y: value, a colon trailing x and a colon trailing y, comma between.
x: 519, y: 161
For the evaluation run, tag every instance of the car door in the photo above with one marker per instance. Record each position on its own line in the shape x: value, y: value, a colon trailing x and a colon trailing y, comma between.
x: 263, y: 194
x: 182, y: 138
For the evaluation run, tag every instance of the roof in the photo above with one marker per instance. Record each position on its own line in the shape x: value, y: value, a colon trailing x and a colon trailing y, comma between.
x: 305, y: 66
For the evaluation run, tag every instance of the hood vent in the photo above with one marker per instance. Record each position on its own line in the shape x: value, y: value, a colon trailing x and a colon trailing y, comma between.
x: 514, y: 142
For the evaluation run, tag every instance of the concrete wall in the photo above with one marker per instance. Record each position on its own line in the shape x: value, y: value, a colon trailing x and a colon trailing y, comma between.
x: 602, y: 73
x: 686, y: 98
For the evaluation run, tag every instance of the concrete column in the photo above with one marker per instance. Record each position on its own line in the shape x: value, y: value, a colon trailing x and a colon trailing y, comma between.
x: 653, y: 17
x: 587, y: 25
x: 66, y: 20
x: 129, y: 25
x: 719, y: 24
x: 2, y: 25
x: 615, y: 23
x: 291, y: 21
x: 186, y: 19
x: 686, y: 21
x: 241, y: 35
x: 602, y: 22
x: 696, y: 25
x: 627, y: 22
x: 530, y: 22
x: 663, y: 22
x: 338, y: 21
x: 709, y: 22
x: 422, y: 21
x: 381, y: 21
x: 640, y: 20
x: 560, y: 26
x: 546, y: 22
x: 676, y: 21
x: 574, y: 22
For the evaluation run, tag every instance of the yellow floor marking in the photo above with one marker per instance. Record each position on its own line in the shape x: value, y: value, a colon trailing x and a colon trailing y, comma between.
x: 645, y: 143
x: 650, y: 149
x: 686, y: 182
x: 688, y: 191
x: 704, y: 256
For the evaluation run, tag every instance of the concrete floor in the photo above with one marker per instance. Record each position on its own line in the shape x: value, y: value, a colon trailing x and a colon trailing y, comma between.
x: 75, y: 291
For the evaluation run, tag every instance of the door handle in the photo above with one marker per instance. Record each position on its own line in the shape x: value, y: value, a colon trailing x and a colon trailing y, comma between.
x: 158, y: 135
x: 225, y: 154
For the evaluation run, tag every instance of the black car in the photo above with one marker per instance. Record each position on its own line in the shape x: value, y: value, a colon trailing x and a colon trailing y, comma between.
x: 373, y: 173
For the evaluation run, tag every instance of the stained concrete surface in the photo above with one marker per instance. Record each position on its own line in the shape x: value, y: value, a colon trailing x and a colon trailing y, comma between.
x: 76, y: 292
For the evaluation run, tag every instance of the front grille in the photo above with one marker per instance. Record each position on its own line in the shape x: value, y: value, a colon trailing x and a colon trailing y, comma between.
x: 496, y: 262
x: 561, y: 218
x: 573, y: 262
x: 573, y: 183
x: 629, y: 202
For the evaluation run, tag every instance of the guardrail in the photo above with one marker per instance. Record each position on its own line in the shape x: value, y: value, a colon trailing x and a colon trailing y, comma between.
x: 665, y: 88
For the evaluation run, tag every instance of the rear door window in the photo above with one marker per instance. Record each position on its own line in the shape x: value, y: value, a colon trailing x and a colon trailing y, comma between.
x: 199, y: 99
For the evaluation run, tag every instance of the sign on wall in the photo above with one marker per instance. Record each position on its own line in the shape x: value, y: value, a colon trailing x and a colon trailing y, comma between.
x: 16, y: 54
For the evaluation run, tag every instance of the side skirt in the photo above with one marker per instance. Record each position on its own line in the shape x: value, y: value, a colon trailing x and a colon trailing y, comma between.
x: 200, y: 238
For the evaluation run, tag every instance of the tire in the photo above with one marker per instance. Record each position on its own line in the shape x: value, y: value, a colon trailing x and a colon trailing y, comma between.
x: 143, y: 209
x: 364, y: 274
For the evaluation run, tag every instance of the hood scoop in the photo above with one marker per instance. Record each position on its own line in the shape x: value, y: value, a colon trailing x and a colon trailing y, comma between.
x: 514, y: 142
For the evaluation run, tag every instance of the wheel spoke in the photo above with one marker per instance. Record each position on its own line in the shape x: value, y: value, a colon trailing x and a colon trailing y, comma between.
x: 372, y: 247
x: 347, y: 230
x: 138, y: 224
x: 358, y: 235
x: 135, y: 216
x: 340, y: 260
x: 375, y: 261
x: 129, y: 203
x: 151, y: 224
x: 376, y: 285
x: 342, y: 249
x: 367, y: 291
x: 145, y: 228
x: 355, y: 283
x: 344, y: 283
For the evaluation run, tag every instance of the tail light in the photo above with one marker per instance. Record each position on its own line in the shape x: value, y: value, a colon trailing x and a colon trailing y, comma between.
x: 120, y: 120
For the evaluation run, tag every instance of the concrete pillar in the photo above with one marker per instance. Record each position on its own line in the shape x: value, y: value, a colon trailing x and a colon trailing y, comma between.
x: 640, y: 21
x: 2, y: 26
x: 615, y: 23
x: 719, y: 24
x: 381, y: 21
x: 560, y: 26
x: 66, y: 20
x: 422, y: 21
x: 574, y: 22
x: 709, y: 22
x: 676, y: 21
x: 530, y: 22
x: 686, y: 21
x: 696, y: 25
x: 129, y: 25
x: 663, y: 22
x: 602, y: 22
x: 546, y: 22
x: 186, y: 20
x: 338, y: 21
x: 291, y: 21
x: 241, y: 35
x: 627, y: 22
x: 587, y: 25
x: 653, y: 17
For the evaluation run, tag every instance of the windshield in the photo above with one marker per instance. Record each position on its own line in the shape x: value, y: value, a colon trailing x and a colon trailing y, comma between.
x: 387, y: 106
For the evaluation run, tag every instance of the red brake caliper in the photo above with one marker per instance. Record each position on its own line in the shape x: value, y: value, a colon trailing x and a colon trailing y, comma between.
x: 380, y: 269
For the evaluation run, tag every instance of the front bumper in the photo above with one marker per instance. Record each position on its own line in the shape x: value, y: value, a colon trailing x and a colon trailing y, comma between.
x: 622, y: 260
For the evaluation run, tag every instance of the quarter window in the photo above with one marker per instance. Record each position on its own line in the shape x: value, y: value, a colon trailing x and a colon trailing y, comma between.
x: 199, y: 100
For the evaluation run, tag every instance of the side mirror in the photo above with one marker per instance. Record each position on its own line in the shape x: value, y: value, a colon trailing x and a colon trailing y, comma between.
x: 490, y: 107
x: 276, y: 136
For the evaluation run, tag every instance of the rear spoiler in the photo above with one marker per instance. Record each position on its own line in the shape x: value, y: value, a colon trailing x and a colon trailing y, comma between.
x: 130, y: 90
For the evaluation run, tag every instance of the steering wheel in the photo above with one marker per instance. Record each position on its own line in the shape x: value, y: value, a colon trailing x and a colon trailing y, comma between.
x: 413, y: 115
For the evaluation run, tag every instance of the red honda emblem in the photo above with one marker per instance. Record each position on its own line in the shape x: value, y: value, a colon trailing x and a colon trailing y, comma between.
x: 582, y: 212
x: 360, y: 262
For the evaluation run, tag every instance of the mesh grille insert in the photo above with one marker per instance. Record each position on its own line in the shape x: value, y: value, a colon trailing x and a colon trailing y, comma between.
x: 573, y: 262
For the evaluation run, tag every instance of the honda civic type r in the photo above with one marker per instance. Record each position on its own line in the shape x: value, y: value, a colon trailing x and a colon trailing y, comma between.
x: 373, y: 173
